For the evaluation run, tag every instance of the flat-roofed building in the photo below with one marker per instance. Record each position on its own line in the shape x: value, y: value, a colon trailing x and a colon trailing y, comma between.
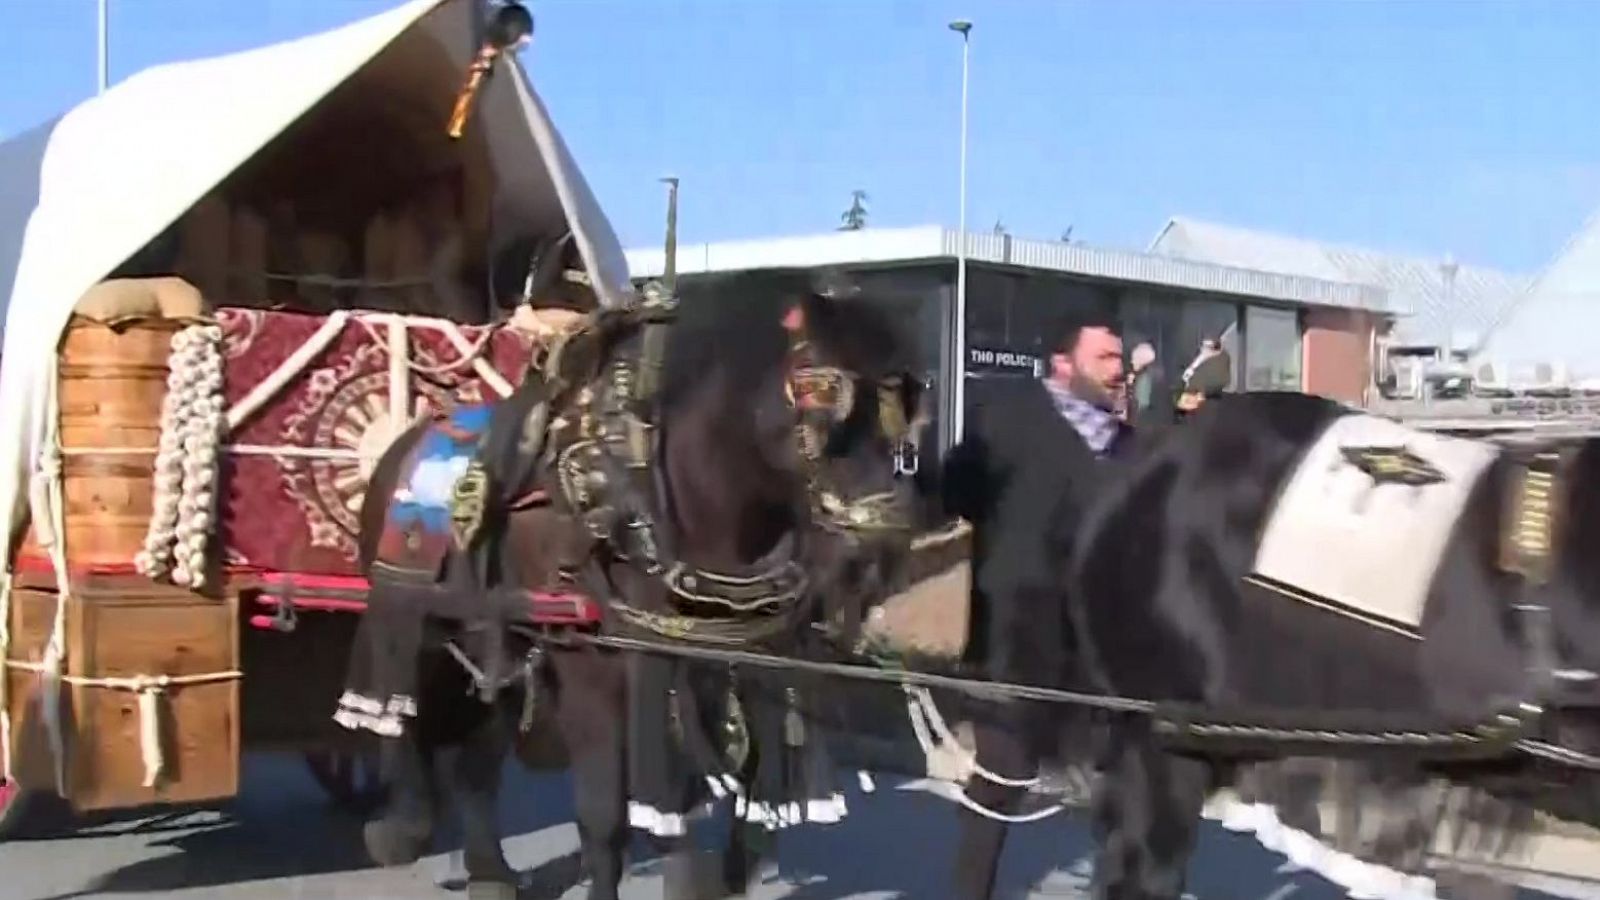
x: 1268, y: 320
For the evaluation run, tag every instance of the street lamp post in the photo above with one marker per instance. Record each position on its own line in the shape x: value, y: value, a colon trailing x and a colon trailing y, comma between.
x: 669, y: 267
x: 1448, y: 269
x: 963, y: 28
x: 102, y: 50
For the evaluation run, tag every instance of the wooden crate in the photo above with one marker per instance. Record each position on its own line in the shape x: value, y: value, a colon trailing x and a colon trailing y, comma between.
x: 123, y: 626
x: 112, y: 384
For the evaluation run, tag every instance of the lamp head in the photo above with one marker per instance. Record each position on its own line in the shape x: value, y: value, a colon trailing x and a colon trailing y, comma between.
x: 962, y: 26
x: 511, y: 28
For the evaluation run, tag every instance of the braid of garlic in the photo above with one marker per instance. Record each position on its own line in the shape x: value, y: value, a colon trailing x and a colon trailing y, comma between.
x: 186, y: 460
x: 152, y: 560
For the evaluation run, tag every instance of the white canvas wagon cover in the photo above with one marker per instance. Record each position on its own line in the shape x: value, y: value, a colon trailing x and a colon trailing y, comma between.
x: 86, y: 191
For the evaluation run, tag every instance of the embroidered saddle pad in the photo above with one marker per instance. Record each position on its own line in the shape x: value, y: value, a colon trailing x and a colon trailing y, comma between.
x: 417, y: 528
x: 1361, y: 525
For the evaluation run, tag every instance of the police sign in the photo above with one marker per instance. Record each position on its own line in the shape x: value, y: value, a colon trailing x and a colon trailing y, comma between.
x: 1007, y: 361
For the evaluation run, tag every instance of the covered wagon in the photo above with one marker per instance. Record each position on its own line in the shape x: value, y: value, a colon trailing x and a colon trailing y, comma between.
x: 228, y: 283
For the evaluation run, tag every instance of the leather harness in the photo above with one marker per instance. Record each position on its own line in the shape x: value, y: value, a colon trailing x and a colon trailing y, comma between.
x: 596, y: 441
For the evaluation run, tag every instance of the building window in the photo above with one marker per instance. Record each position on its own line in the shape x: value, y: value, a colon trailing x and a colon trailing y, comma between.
x: 1175, y: 324
x: 1272, y: 349
x: 1206, y: 319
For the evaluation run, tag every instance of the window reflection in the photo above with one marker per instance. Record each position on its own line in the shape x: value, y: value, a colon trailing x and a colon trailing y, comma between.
x: 1272, y: 349
x: 1175, y: 325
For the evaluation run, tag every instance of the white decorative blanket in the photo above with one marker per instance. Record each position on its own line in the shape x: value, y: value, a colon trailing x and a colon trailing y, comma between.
x: 1362, y: 523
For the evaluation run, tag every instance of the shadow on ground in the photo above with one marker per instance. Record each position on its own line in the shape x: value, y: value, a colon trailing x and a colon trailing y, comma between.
x: 282, y: 827
x: 898, y: 842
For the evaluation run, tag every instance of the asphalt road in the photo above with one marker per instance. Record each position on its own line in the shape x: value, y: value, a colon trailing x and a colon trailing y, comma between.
x: 281, y: 839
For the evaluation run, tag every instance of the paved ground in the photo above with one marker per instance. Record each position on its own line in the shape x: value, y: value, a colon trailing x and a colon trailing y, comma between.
x: 280, y: 840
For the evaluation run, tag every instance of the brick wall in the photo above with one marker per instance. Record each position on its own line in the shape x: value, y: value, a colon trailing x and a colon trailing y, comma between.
x: 1337, y: 353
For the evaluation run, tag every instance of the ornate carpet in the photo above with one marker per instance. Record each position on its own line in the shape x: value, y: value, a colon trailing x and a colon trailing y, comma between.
x: 287, y: 509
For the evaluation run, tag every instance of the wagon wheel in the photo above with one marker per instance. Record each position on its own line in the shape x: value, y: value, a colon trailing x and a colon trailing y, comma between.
x: 348, y: 777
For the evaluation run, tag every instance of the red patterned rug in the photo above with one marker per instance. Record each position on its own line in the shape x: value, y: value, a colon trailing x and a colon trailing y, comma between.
x: 297, y: 512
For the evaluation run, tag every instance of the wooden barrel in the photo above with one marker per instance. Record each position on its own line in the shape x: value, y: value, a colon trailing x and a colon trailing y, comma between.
x: 112, y: 382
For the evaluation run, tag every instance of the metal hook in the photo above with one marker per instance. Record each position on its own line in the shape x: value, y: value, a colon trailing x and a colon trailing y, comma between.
x: 907, y: 461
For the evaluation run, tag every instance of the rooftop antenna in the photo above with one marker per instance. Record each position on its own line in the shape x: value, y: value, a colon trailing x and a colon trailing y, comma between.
x: 1448, y: 269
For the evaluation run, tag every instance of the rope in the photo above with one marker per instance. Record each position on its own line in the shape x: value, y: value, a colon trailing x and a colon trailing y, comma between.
x: 959, y: 795
x: 921, y: 706
x: 283, y: 450
x: 291, y: 452
x: 399, y: 347
x: 287, y: 370
x: 921, y: 720
x: 150, y: 689
x: 1560, y: 755
x: 48, y: 515
x: 316, y: 279
x: 906, y: 679
x: 943, y: 536
x: 474, y: 351
x: 485, y: 371
x: 992, y: 690
x: 998, y: 690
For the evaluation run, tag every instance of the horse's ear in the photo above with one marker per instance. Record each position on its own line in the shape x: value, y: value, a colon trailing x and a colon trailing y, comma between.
x: 794, y: 319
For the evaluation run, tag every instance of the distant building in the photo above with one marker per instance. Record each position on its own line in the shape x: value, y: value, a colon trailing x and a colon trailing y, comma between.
x: 1285, y: 331
x: 1435, y: 307
x: 1550, y: 333
x: 1507, y: 333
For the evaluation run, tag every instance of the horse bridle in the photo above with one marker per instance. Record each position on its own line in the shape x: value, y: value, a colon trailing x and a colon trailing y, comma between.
x: 604, y: 464
x: 823, y: 396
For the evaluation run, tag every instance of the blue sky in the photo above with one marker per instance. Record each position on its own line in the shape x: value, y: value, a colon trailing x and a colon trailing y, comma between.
x: 1419, y: 126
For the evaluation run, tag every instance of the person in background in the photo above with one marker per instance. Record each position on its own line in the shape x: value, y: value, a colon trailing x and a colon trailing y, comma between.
x: 1037, y: 441
x: 1150, y: 396
x: 1207, y: 377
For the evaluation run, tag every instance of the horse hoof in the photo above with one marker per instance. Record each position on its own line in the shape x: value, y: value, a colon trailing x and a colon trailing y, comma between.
x: 687, y: 876
x: 677, y: 878
x: 739, y: 872
x: 491, y: 890
x: 391, y: 843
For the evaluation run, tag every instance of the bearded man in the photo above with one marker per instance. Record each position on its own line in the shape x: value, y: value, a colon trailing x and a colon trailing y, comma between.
x: 1037, y: 441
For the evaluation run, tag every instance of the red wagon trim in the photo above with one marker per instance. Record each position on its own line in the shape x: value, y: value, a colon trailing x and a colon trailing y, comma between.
x: 347, y: 593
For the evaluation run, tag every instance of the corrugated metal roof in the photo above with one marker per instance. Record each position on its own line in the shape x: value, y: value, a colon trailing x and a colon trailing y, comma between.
x: 1481, y: 295
x: 883, y: 245
x: 1557, y: 320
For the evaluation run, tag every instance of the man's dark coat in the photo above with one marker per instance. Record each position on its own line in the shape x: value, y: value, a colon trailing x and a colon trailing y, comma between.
x: 1021, y: 476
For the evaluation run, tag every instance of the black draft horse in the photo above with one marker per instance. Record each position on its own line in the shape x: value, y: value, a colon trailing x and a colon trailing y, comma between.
x: 1158, y: 601
x: 785, y: 420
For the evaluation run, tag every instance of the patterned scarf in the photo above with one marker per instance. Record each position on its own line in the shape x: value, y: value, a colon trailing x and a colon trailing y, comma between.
x: 1096, y: 426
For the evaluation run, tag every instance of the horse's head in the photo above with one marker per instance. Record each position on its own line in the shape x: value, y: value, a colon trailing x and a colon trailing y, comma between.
x: 785, y: 403
x: 857, y: 405
x: 856, y: 402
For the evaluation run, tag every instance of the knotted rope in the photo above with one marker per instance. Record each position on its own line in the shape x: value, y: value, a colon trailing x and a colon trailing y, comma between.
x: 150, y: 690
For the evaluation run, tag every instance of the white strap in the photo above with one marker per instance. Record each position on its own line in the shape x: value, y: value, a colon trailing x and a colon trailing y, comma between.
x: 287, y: 370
